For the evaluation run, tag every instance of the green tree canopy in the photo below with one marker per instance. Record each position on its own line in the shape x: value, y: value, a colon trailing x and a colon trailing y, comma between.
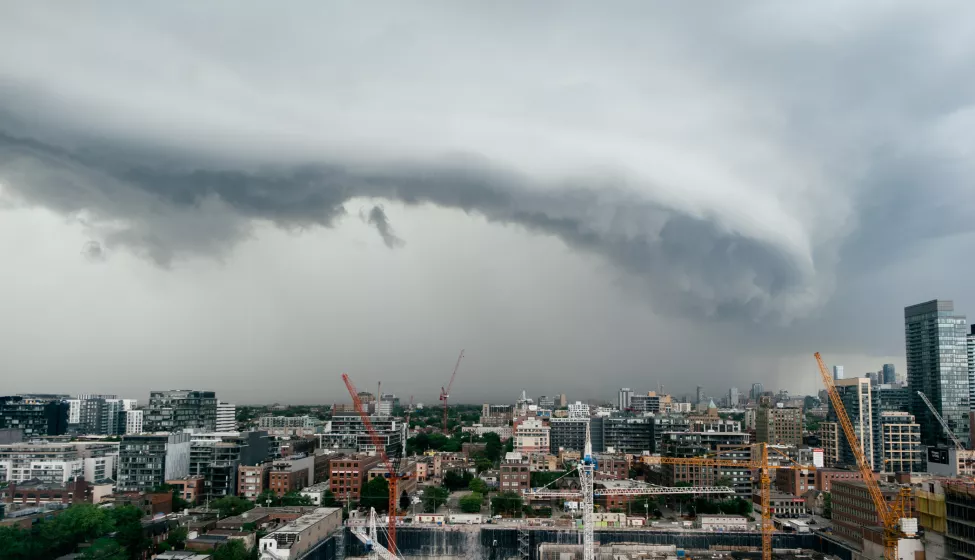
x: 478, y: 485
x: 232, y: 505
x: 454, y: 480
x: 471, y: 503
x: 375, y: 494
x: 506, y: 503
x: 234, y: 549
x: 434, y: 497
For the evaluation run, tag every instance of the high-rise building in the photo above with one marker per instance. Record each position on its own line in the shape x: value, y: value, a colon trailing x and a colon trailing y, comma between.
x: 347, y: 431
x: 624, y: 398
x: 779, y: 425
x: 562, y: 400
x: 217, y: 456
x: 900, y: 449
x: 890, y: 374
x: 173, y: 411
x: 757, y: 390
x: 34, y: 416
x: 624, y: 435
x: 148, y: 460
x: 857, y: 399
x: 970, y: 344
x: 937, y: 365
x: 733, y: 397
x: 567, y: 433
x: 649, y: 402
x: 226, y: 417
x: 133, y: 421
x: 837, y: 373
x: 700, y: 395
x: 546, y: 402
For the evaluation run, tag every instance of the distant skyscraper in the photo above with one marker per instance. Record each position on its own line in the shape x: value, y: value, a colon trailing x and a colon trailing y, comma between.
x: 733, y: 397
x: 700, y: 395
x: 890, y: 376
x: 837, y: 373
x: 937, y: 364
x: 757, y: 389
x: 624, y: 398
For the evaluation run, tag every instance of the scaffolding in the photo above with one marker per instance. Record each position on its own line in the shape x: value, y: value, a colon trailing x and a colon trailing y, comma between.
x: 524, y: 542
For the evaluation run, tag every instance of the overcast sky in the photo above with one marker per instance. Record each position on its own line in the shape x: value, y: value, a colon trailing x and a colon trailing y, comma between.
x: 254, y: 198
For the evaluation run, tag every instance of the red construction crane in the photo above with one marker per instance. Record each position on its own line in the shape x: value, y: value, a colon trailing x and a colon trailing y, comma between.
x: 392, y: 474
x: 445, y: 393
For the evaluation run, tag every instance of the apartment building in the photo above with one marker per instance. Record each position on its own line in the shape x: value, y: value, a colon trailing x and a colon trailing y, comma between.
x: 853, y: 509
x: 348, y: 474
x: 287, y: 426
x: 252, y: 480
x: 493, y: 415
x: 226, y: 417
x: 34, y: 416
x: 190, y: 488
x: 347, y: 431
x: 176, y: 410
x: 900, y: 442
x: 779, y: 425
x: 148, y: 460
x: 285, y: 477
x: 531, y: 436
x: 515, y: 474
x: 58, y: 462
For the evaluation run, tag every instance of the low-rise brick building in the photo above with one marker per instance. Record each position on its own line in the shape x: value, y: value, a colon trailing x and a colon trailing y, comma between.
x: 283, y: 479
x: 252, y: 480
x: 190, y: 487
x: 515, y: 474
x: 348, y: 474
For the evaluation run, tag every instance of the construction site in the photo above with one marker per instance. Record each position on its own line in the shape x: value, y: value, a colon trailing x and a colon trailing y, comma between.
x: 589, y: 538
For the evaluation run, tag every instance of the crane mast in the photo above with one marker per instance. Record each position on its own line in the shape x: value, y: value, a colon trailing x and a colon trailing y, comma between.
x: 445, y: 392
x: 890, y: 515
x: 392, y: 474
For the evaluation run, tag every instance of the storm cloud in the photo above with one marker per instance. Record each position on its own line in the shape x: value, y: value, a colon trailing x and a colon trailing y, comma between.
x: 751, y: 163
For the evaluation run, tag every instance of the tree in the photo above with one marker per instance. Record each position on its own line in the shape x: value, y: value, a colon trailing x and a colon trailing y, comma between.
x: 328, y: 499
x: 404, y: 501
x: 471, y: 503
x: 232, y: 505
x: 539, y: 478
x: 375, y: 494
x: 827, y: 505
x: 267, y: 498
x: 482, y: 464
x: 234, y: 549
x: 478, y: 485
x: 128, y: 531
x: 177, y: 538
x: 492, y: 447
x: 454, y: 480
x: 104, y: 549
x: 433, y: 498
x: 296, y: 499
x: 506, y: 503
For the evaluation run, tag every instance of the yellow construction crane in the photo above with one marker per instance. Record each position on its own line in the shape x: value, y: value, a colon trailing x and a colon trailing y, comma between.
x: 890, y: 513
x: 761, y: 464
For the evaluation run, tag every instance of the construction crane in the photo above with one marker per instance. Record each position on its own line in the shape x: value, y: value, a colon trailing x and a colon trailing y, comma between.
x: 392, y: 474
x: 958, y: 444
x: 370, y: 538
x: 445, y: 393
x: 588, y: 465
x: 892, y: 514
x: 761, y: 464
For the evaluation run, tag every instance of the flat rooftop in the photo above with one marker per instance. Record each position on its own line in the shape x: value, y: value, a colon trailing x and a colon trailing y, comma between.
x: 305, y: 521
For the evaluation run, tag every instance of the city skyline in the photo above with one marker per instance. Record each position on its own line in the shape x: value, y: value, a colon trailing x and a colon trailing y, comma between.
x: 615, y: 198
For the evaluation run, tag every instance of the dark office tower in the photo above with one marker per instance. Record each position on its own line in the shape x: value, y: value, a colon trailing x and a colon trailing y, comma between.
x: 937, y: 365
x: 890, y: 376
x: 971, y: 368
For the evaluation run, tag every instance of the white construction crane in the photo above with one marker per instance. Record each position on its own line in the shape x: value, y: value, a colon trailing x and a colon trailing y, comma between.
x: 587, y: 471
x: 944, y: 424
x: 370, y: 538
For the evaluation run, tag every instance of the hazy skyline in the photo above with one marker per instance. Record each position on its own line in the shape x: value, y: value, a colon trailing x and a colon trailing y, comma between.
x: 254, y: 199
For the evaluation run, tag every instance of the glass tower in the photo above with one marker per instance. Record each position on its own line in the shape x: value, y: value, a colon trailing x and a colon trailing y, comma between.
x: 937, y: 365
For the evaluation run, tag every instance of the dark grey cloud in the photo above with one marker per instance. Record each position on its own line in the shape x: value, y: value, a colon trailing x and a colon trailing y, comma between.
x: 759, y: 165
x: 686, y: 264
x: 377, y: 217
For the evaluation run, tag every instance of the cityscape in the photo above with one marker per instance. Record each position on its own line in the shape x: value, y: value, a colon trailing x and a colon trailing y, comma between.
x: 737, y: 470
x: 447, y: 280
